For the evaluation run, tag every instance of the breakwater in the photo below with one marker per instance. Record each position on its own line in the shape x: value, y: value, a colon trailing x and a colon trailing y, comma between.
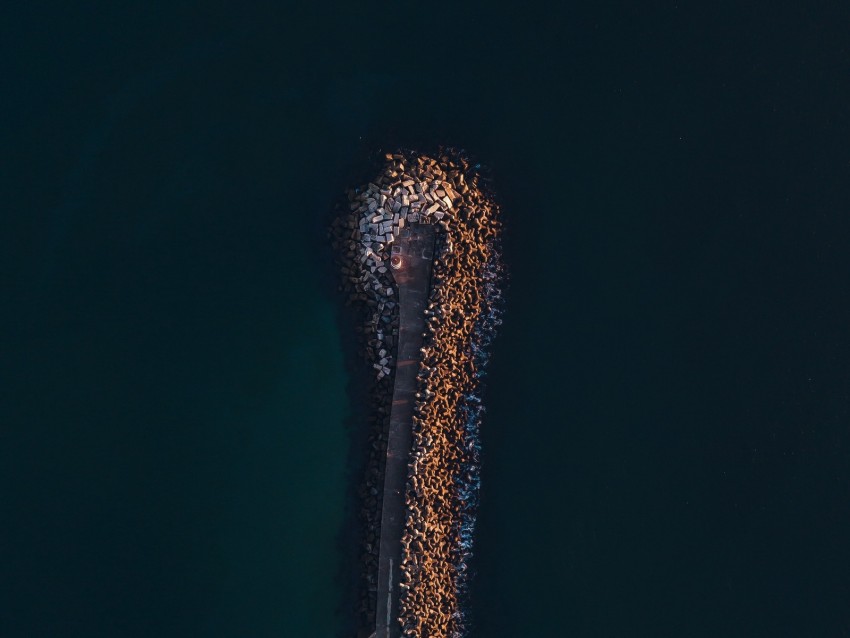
x: 421, y: 238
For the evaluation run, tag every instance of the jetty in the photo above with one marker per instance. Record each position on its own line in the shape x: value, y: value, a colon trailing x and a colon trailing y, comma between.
x: 419, y: 257
x: 412, y: 259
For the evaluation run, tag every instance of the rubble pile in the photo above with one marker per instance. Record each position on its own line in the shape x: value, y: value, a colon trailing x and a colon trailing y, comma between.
x: 463, y: 313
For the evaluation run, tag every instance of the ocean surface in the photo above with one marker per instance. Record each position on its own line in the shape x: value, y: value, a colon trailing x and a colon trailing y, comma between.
x: 665, y: 448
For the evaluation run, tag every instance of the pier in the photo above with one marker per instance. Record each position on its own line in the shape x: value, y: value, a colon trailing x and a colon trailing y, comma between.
x: 413, y: 253
x: 427, y: 319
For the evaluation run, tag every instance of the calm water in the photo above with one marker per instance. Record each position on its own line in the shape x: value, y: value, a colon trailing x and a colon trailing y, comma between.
x: 666, y: 444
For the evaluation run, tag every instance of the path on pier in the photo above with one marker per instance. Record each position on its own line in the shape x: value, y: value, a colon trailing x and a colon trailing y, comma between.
x: 413, y: 280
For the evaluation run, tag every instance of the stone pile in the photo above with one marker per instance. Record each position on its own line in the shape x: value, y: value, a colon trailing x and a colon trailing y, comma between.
x: 371, y: 494
x: 463, y: 312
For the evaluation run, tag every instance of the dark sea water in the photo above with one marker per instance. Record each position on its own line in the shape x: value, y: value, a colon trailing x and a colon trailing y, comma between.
x: 666, y: 439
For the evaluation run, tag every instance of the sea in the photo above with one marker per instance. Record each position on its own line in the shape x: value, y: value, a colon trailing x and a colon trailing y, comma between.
x: 665, y: 447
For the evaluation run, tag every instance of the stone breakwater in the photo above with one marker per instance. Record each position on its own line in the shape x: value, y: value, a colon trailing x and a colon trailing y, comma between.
x: 463, y: 312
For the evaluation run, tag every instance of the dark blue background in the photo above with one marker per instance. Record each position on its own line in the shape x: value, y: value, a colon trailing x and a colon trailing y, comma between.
x: 666, y: 437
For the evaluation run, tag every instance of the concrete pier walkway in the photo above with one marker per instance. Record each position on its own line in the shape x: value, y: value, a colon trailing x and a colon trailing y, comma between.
x: 413, y: 280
